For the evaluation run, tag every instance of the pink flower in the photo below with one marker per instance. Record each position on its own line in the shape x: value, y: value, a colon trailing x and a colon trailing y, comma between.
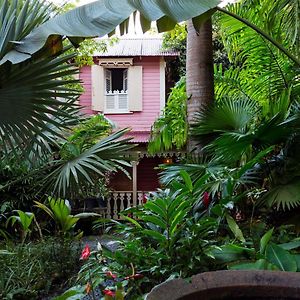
x: 111, y: 275
x: 206, y: 199
x: 86, y: 252
x: 109, y: 293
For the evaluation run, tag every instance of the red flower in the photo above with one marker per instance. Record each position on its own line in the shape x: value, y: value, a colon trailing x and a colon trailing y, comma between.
x: 86, y: 252
x: 111, y: 275
x: 145, y: 199
x: 206, y: 199
x: 109, y: 293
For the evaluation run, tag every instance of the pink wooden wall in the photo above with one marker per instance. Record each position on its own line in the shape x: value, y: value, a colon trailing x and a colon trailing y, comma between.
x: 138, y: 121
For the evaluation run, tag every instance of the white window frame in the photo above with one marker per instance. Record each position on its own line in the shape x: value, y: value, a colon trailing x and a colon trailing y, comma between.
x: 116, y: 96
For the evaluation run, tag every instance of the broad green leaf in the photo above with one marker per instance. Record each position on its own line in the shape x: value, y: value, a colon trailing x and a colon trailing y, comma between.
x: 231, y: 252
x: 187, y: 179
x: 265, y: 241
x: 101, y: 17
x: 291, y: 245
x: 281, y: 258
x: 133, y: 221
x: 155, y: 220
x: 235, y: 228
x: 152, y: 206
x: 155, y: 235
x: 260, y: 264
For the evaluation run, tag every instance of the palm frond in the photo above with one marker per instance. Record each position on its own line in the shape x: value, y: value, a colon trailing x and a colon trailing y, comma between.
x: 32, y: 97
x: 283, y: 196
x: 227, y: 116
x: 69, y: 176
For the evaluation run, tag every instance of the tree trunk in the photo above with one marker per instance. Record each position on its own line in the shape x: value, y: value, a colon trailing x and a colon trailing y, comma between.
x: 199, y: 72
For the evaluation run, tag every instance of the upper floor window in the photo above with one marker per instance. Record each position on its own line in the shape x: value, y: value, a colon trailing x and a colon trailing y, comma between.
x: 116, y: 85
x: 117, y: 89
x: 116, y: 80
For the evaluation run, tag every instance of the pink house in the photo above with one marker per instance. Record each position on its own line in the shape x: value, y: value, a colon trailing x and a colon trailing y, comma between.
x: 129, y: 84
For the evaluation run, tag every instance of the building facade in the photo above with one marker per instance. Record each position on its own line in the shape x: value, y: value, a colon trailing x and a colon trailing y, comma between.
x: 129, y: 85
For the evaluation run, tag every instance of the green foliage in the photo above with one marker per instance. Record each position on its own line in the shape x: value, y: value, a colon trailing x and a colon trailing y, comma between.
x: 170, y: 129
x: 31, y: 270
x: 39, y: 81
x: 86, y: 134
x: 72, y: 175
x: 87, y: 49
x: 175, y: 39
x: 256, y: 102
x: 270, y: 257
x: 60, y: 211
x: 24, y: 219
x: 99, y: 19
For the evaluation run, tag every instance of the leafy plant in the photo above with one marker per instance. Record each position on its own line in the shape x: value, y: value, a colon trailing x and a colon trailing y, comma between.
x: 60, y: 211
x: 269, y: 256
x: 170, y: 129
x: 24, y: 219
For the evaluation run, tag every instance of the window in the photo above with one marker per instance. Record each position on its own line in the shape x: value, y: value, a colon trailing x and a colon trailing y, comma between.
x: 117, y: 89
x: 116, y: 99
x: 116, y: 80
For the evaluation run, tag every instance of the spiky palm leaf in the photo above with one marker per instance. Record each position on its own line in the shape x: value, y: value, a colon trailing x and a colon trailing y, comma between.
x: 70, y: 176
x: 30, y: 92
x: 266, y: 73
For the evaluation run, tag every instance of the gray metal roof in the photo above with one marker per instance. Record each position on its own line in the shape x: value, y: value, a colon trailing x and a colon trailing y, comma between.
x: 137, y: 47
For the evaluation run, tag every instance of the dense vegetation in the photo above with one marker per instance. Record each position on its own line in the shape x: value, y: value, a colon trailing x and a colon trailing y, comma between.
x: 232, y: 207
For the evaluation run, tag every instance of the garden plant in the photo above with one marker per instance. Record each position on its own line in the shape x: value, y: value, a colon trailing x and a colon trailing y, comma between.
x: 231, y: 204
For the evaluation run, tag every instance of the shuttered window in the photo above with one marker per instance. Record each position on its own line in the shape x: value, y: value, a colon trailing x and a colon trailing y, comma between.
x: 117, y: 90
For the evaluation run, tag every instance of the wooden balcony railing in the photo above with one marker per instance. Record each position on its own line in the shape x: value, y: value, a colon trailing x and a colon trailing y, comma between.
x: 120, y: 200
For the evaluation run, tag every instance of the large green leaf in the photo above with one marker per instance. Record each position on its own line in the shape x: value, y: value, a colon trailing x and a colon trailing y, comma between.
x: 283, y: 196
x: 235, y: 228
x: 231, y: 252
x: 103, y: 16
x: 281, y: 258
x: 260, y: 264
x: 265, y: 241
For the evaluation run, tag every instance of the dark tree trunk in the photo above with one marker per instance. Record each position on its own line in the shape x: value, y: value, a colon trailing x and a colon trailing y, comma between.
x: 199, y: 72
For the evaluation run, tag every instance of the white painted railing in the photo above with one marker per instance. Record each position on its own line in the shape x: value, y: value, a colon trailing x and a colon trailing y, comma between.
x: 120, y: 200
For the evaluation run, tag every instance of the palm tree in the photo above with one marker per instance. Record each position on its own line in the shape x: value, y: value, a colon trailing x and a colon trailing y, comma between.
x: 199, y: 70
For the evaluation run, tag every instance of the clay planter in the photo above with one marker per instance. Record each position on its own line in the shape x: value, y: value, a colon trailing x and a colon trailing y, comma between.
x: 231, y: 285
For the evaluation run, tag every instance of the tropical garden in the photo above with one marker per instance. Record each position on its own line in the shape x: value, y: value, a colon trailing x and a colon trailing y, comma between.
x: 231, y: 202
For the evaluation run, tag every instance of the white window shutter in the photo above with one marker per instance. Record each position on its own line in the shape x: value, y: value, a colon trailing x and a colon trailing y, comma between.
x: 135, y: 88
x: 98, y: 91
